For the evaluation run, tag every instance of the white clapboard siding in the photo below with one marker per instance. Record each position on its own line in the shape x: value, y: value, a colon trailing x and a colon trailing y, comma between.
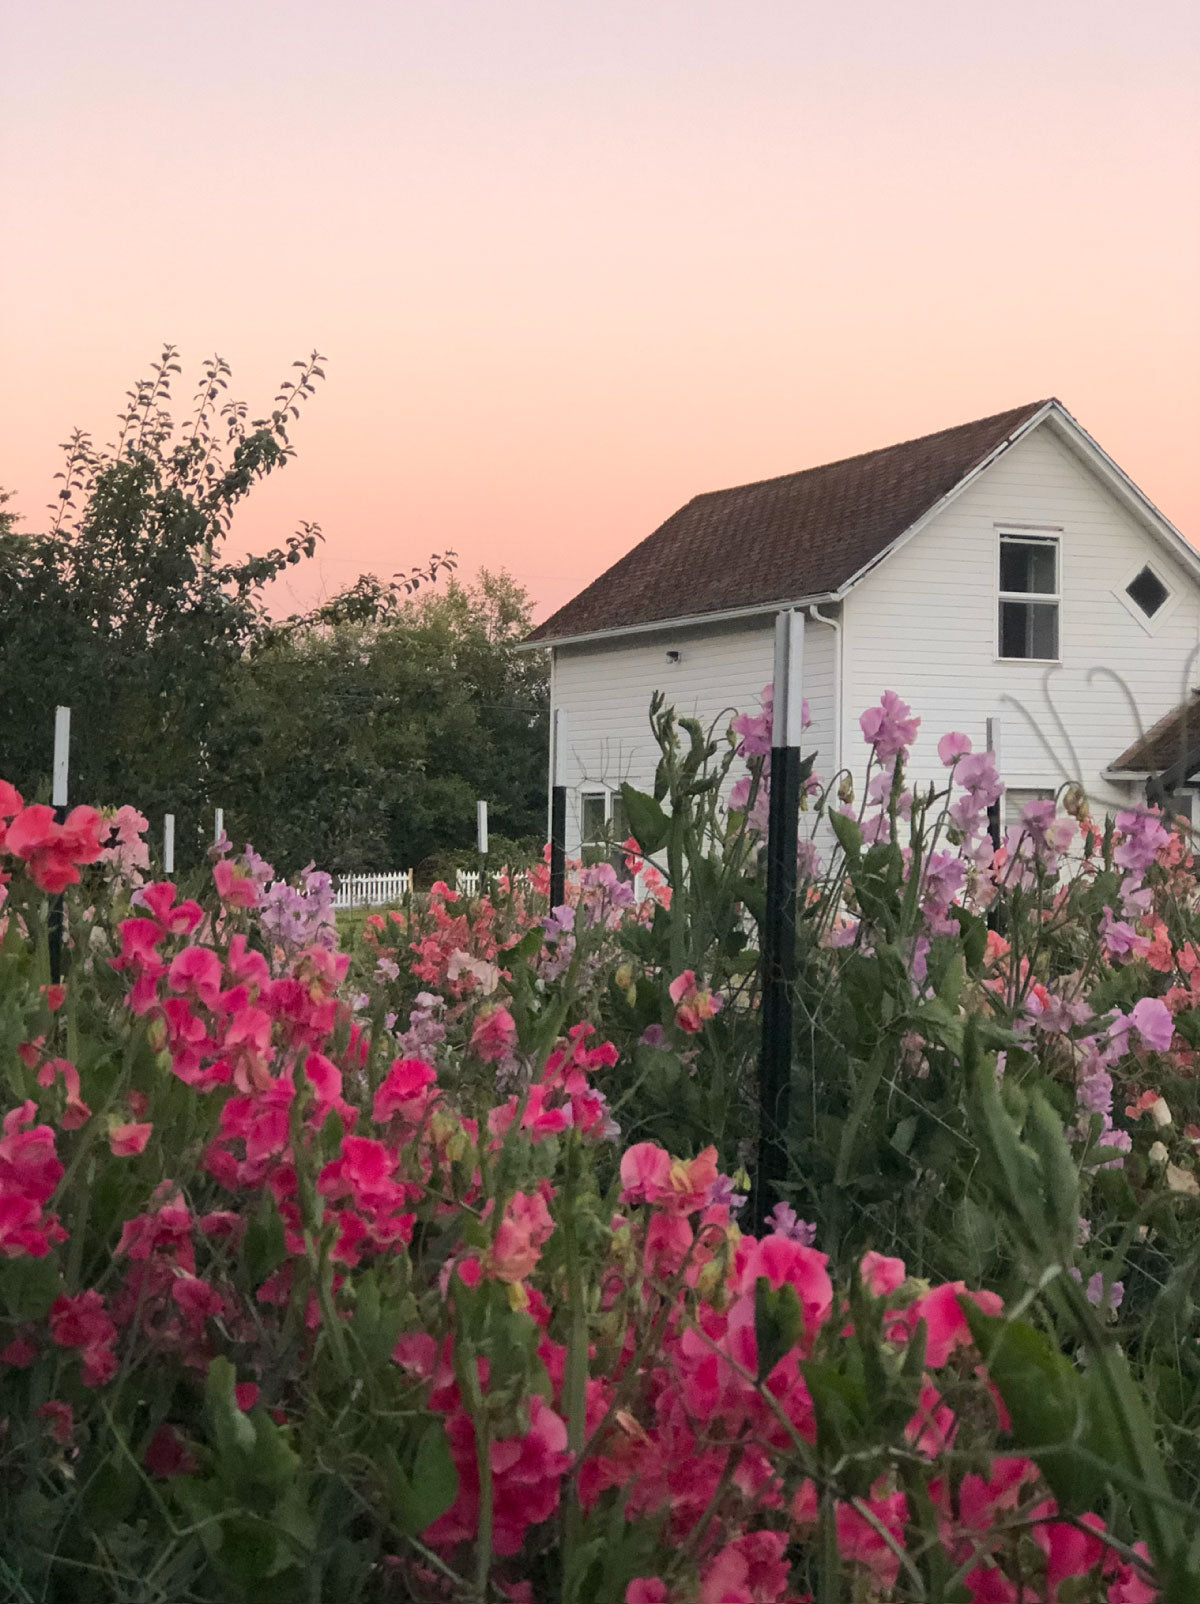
x: 924, y: 625
x: 605, y: 690
x: 373, y: 890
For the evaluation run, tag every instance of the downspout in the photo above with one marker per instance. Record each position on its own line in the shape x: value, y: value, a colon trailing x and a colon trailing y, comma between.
x: 835, y: 625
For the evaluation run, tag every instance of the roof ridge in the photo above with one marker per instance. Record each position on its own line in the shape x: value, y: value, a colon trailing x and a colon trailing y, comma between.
x: 799, y: 534
x: 878, y: 451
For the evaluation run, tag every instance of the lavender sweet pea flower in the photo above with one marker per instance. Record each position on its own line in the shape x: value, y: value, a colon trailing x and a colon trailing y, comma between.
x: 783, y: 1221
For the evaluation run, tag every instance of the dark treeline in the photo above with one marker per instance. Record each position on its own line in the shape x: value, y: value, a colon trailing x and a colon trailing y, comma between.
x: 359, y: 734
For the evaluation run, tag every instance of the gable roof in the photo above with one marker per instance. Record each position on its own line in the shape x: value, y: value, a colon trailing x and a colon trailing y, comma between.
x: 796, y: 538
x: 1172, y: 743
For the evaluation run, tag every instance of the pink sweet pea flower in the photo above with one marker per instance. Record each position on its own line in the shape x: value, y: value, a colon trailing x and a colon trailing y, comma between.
x: 520, y: 1236
x: 751, y: 1567
x: 882, y: 1275
x: 494, y: 1035
x: 61, y: 1418
x: 946, y: 1325
x: 234, y: 886
x: 694, y: 1005
x: 953, y: 746
x: 646, y: 1590
x: 1152, y: 1020
x: 127, y: 1141
x: 645, y: 1168
x: 780, y: 1259
x: 890, y: 728
x: 404, y: 1092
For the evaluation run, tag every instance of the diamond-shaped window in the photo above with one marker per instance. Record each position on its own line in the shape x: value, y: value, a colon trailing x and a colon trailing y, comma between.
x: 1148, y: 591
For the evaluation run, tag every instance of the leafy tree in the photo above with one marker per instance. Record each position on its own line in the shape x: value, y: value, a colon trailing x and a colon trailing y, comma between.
x: 130, y: 608
x: 368, y: 745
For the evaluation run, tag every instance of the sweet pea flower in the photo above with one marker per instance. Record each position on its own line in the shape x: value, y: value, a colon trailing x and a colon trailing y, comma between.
x: 647, y: 1590
x: 404, y: 1091
x: 953, y: 746
x: 520, y: 1237
x: 235, y: 887
x: 783, y: 1221
x: 882, y: 1275
x: 1152, y: 1020
x: 751, y: 1567
x: 494, y: 1034
x: 890, y: 728
x: 128, y: 1140
x: 694, y: 1005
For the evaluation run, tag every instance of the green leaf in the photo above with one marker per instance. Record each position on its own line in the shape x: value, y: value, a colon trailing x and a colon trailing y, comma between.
x: 29, y: 1286
x: 110, y: 1492
x: 778, y: 1323
x: 264, y: 1248
x: 973, y: 934
x: 648, y: 824
x: 234, y: 1436
x: 848, y: 834
x: 424, y: 1496
x: 1043, y: 1393
x: 1059, y: 1175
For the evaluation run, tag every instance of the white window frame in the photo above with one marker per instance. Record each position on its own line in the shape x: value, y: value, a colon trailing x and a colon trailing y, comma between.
x: 586, y: 792
x: 1153, y: 623
x: 1031, y: 535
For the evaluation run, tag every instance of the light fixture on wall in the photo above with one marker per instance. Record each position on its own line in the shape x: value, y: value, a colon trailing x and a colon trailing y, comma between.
x: 674, y: 657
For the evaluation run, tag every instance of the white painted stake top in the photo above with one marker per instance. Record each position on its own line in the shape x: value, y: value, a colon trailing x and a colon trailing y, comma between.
x: 788, y: 707
x: 62, y: 755
x: 559, y: 748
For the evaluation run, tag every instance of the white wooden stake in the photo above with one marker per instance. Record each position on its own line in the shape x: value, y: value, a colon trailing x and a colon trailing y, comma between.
x: 788, y: 707
x: 219, y: 825
x: 558, y: 758
x: 993, y: 740
x: 481, y: 828
x: 169, y: 843
x: 62, y: 755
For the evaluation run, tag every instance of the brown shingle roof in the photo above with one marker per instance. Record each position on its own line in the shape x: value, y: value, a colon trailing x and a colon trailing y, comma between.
x: 804, y: 534
x: 1174, y: 739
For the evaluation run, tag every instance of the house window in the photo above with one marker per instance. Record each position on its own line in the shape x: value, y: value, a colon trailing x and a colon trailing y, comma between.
x: 593, y: 817
x: 602, y: 828
x: 1029, y: 597
x: 1147, y: 591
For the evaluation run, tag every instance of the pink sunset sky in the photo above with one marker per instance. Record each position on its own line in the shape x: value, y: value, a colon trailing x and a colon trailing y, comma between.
x: 571, y: 263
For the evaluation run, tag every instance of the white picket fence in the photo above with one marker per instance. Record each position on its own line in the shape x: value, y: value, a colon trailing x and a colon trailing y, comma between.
x: 384, y: 890
x: 373, y: 890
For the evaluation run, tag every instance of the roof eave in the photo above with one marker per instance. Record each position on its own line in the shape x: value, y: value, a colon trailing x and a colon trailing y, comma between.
x: 691, y: 621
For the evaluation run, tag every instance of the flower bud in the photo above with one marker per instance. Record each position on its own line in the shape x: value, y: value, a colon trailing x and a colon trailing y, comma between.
x: 1158, y: 1154
x: 1075, y: 803
x: 1160, y: 1113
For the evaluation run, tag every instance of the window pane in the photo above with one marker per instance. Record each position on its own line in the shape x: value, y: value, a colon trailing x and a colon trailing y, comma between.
x: 1148, y: 591
x: 592, y: 812
x: 617, y: 822
x: 1029, y: 629
x: 1029, y: 566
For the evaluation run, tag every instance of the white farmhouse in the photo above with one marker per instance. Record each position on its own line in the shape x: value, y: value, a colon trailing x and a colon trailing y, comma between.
x: 1003, y: 574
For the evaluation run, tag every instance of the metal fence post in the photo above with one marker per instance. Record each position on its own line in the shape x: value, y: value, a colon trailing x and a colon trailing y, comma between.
x: 778, y: 939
